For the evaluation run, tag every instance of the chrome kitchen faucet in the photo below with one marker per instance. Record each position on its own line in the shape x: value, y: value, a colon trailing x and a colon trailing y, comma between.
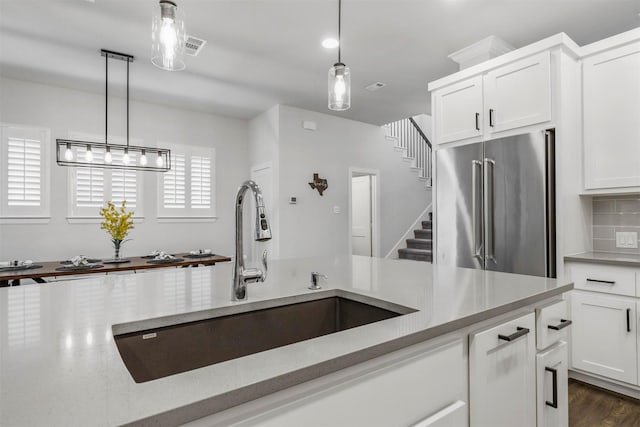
x: 241, y: 275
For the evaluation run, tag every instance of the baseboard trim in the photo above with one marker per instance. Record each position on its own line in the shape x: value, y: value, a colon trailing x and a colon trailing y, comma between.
x: 608, y: 384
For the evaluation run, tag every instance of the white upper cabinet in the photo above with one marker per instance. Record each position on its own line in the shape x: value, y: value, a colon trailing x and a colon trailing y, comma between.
x: 518, y: 94
x: 515, y: 95
x: 459, y: 111
x: 611, y: 118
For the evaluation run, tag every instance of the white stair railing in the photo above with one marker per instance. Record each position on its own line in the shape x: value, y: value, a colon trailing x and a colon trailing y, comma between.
x: 415, y: 144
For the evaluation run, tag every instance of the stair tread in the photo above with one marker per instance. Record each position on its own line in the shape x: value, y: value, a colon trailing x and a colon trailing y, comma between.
x: 426, y: 225
x: 415, y: 251
x: 418, y: 240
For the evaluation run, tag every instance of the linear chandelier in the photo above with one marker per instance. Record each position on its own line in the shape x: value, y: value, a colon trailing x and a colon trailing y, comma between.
x: 104, y: 155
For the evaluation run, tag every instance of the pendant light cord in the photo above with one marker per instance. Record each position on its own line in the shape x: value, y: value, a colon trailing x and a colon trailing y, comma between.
x: 339, y: 30
x: 106, y: 98
x: 127, y: 103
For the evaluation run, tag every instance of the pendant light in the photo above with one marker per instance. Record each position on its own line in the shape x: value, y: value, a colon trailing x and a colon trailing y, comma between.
x: 116, y: 156
x: 168, y: 36
x: 339, y: 76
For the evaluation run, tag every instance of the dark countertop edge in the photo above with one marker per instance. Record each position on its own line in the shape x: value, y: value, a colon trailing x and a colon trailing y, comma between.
x: 589, y: 258
x: 221, y: 402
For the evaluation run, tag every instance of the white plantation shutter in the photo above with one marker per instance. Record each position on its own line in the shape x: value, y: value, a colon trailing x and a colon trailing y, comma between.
x: 24, y: 177
x: 93, y: 187
x: 89, y: 182
x: 187, y: 190
x: 174, y: 185
x: 24, y: 172
x: 200, y: 182
x: 124, y: 183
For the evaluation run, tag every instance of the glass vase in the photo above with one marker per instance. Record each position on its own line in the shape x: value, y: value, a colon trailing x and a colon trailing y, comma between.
x: 116, y: 248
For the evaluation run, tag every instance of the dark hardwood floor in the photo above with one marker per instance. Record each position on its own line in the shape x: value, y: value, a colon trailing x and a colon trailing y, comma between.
x: 591, y: 406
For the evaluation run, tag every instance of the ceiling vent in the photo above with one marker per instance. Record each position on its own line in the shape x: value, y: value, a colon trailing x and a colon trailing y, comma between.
x: 193, y: 45
x: 375, y: 86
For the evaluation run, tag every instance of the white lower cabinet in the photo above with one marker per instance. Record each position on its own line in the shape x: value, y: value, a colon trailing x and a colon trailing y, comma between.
x: 604, y: 335
x: 502, y: 374
x: 426, y: 388
x: 552, y: 393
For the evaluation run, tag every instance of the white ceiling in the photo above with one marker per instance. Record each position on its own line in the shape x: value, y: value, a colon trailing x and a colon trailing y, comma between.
x: 263, y: 52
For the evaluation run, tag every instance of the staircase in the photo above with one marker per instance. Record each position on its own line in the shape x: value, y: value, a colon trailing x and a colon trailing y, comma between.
x: 417, y: 151
x: 415, y: 146
x: 420, y: 248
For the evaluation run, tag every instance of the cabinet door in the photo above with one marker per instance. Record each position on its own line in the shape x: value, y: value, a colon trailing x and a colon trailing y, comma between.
x: 604, y: 335
x: 502, y: 375
x: 611, y: 124
x: 458, y: 111
x: 552, y: 377
x: 518, y: 94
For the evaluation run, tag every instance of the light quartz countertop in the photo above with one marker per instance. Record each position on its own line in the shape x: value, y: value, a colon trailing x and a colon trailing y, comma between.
x: 59, y: 365
x: 629, y: 260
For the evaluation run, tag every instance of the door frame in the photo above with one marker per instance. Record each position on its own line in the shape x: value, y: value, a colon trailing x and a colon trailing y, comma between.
x: 375, y: 209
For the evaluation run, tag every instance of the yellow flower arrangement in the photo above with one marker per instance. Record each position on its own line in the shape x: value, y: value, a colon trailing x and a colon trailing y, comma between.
x: 117, y: 222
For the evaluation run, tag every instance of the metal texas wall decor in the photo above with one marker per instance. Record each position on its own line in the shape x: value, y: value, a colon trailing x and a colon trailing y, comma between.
x: 319, y: 184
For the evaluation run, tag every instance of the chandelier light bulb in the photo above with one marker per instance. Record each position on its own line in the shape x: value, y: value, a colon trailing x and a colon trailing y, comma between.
x: 89, y: 155
x: 108, y: 158
x: 68, y: 154
x: 126, y: 159
x: 143, y: 158
x: 159, y: 161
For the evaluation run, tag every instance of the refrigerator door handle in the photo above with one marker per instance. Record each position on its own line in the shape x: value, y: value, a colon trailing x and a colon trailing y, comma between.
x: 489, y: 184
x: 476, y: 166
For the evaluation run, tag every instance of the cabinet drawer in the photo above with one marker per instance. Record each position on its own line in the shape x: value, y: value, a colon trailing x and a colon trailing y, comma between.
x: 502, y: 388
x: 604, y: 278
x: 427, y: 388
x: 552, y: 324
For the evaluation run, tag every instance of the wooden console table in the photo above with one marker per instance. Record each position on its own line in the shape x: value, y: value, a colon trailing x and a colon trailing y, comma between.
x: 48, y: 268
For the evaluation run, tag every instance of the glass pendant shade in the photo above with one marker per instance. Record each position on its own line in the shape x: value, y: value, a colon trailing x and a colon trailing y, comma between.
x: 339, y: 87
x: 168, y: 36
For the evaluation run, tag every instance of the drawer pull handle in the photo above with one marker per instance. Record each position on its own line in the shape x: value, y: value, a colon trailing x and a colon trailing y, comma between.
x: 563, y: 324
x: 554, y: 379
x: 607, y: 282
x: 519, y: 333
x: 628, y: 320
x: 477, y: 121
x: 491, y: 117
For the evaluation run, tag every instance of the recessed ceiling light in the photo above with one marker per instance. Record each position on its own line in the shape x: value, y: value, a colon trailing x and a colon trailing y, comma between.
x: 330, y: 43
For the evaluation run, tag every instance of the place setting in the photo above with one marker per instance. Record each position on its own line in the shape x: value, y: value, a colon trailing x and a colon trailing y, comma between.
x: 164, y: 258
x: 200, y: 253
x: 80, y: 263
x: 18, y: 265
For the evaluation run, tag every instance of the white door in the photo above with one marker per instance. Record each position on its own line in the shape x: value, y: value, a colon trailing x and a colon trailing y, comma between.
x: 604, y: 335
x: 502, y: 375
x: 552, y: 378
x: 361, y: 215
x: 611, y: 124
x: 518, y: 94
x: 458, y: 111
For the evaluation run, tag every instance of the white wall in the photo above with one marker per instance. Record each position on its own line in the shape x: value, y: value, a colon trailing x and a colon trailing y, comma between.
x: 64, y: 110
x: 310, y: 227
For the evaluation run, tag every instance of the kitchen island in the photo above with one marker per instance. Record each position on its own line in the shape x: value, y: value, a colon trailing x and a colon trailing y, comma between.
x: 60, y: 364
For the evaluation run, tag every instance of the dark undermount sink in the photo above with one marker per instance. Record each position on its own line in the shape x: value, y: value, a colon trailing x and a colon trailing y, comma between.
x: 164, y: 351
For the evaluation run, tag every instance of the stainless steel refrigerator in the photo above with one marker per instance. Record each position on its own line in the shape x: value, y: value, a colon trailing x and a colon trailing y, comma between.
x: 495, y: 205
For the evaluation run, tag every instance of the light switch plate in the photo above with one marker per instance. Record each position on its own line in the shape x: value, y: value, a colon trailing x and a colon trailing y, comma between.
x: 627, y: 239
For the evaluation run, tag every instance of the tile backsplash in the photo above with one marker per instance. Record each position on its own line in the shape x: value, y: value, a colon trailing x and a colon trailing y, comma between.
x: 613, y: 214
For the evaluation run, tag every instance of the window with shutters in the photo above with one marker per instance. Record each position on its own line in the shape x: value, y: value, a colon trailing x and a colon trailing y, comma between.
x: 187, y: 190
x: 24, y: 173
x: 91, y: 188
